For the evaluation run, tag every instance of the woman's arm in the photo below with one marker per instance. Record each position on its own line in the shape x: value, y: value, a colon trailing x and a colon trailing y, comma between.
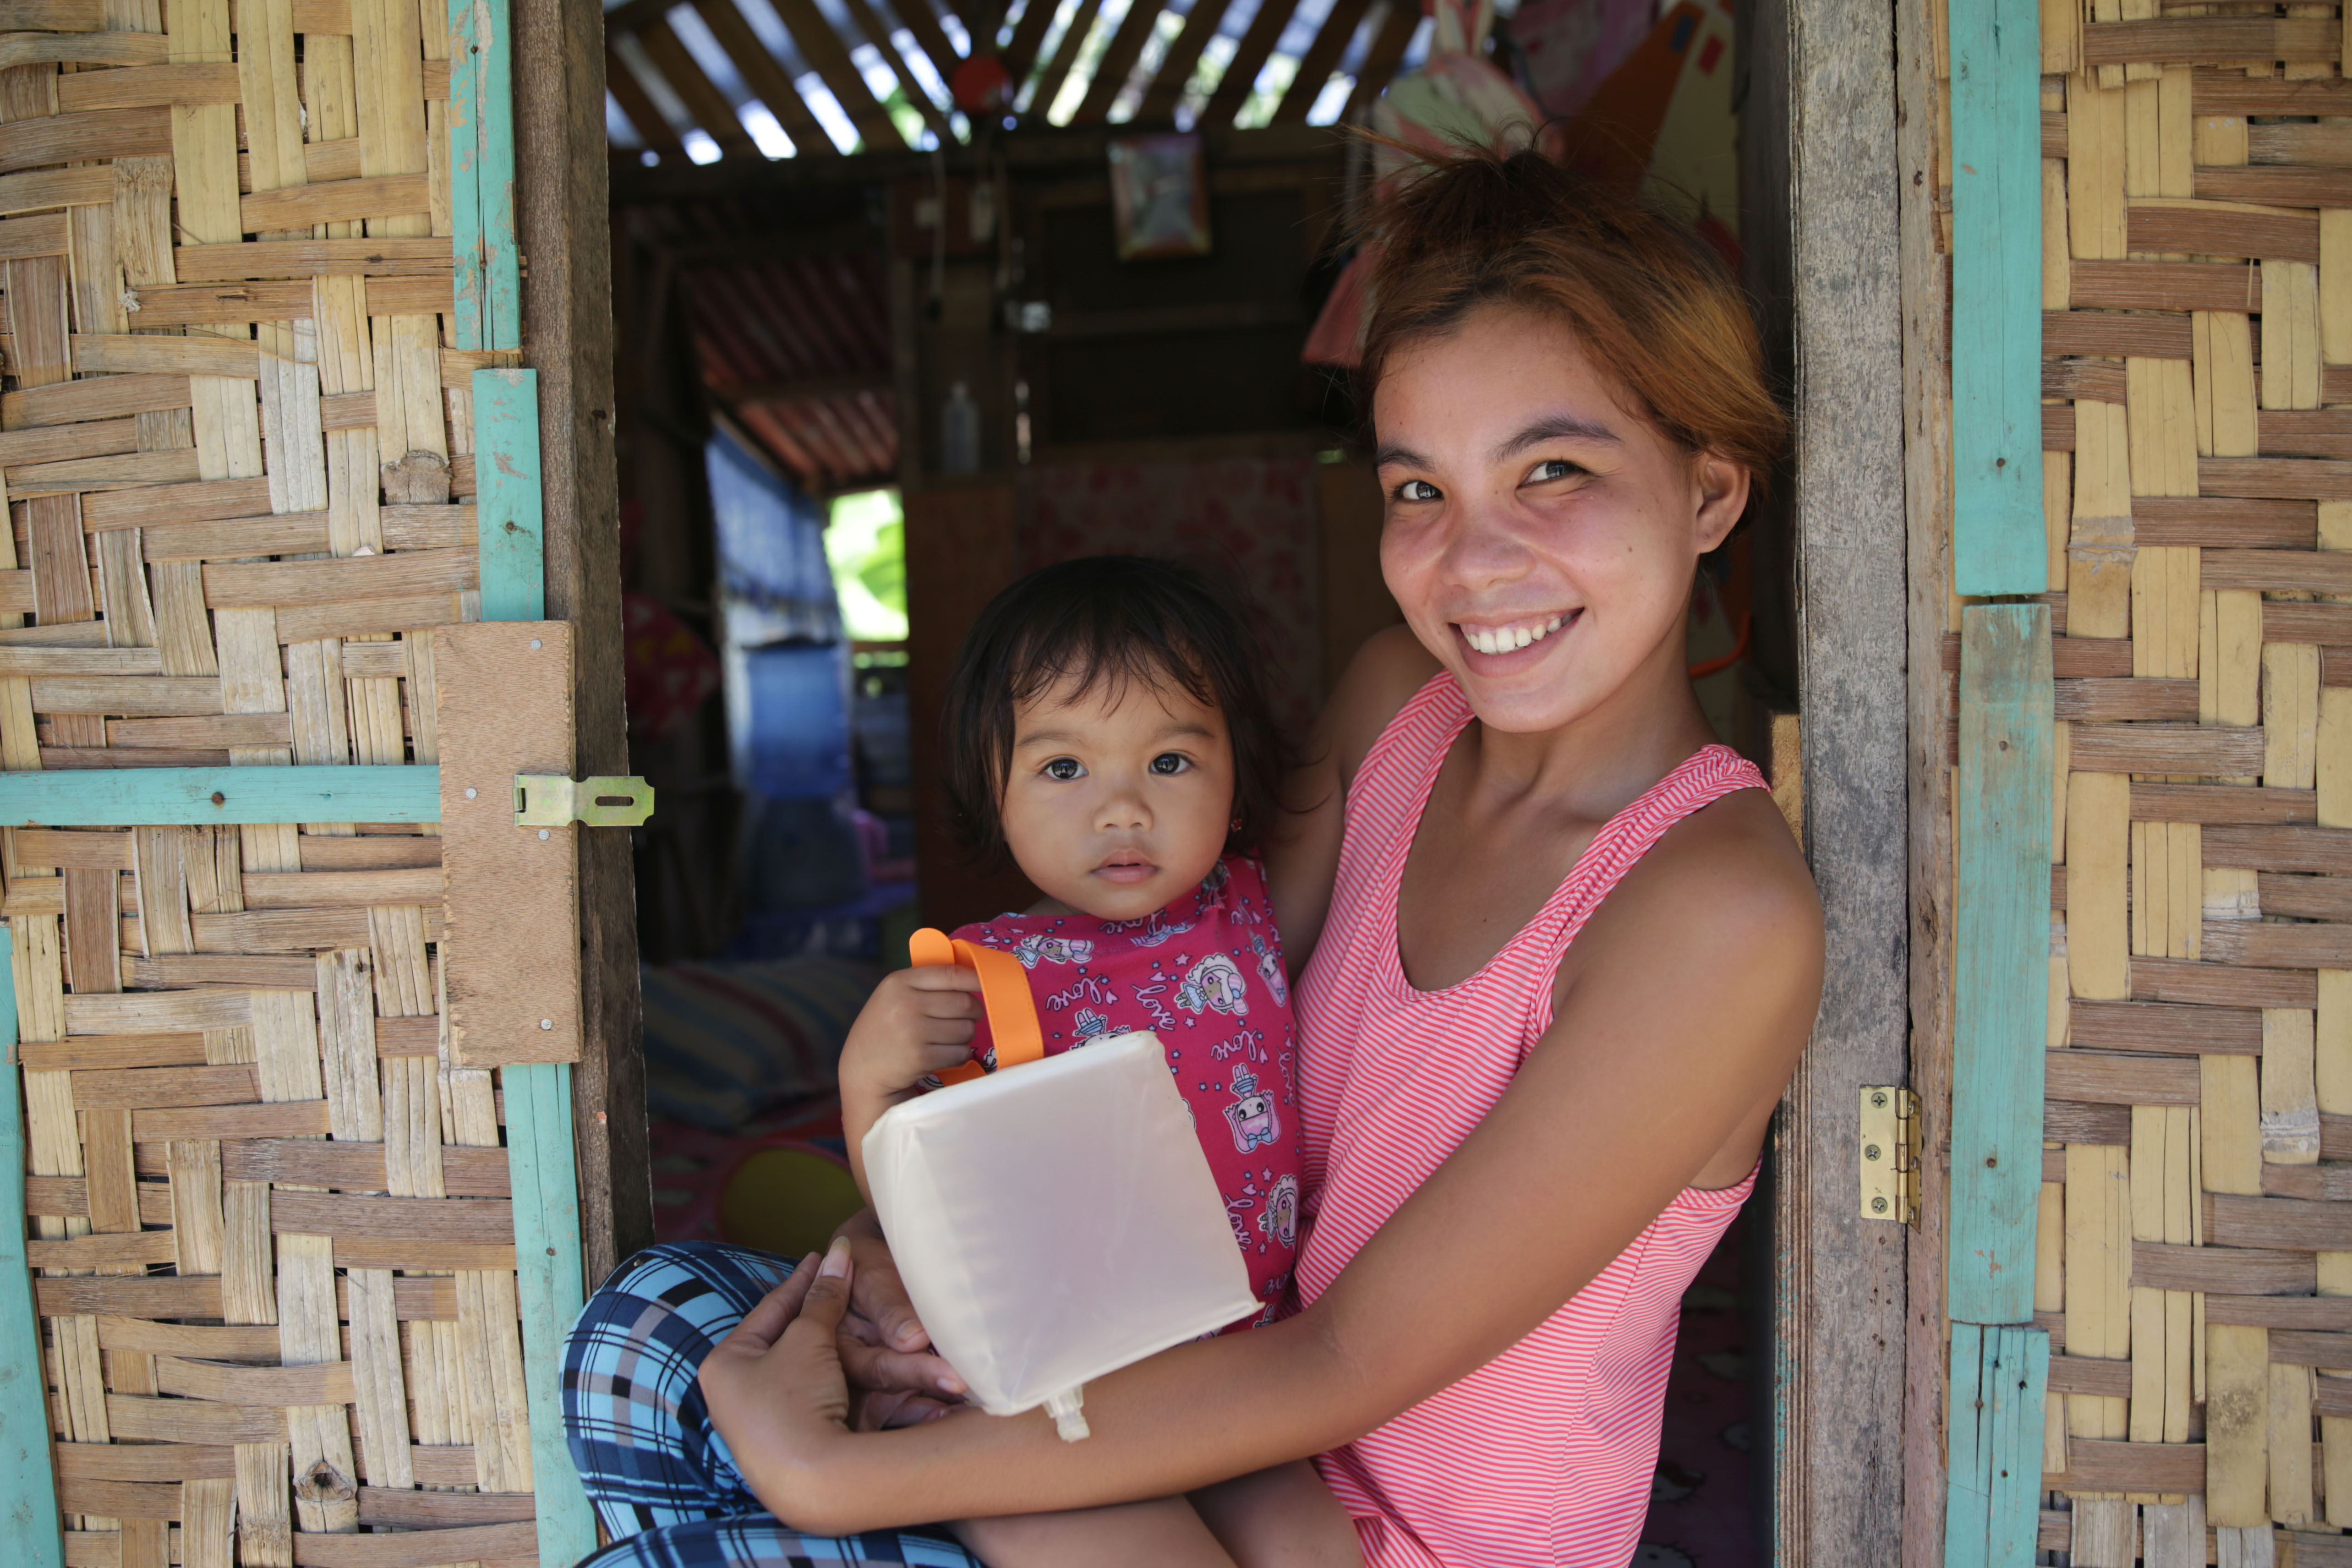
x: 1303, y: 860
x: 1692, y: 994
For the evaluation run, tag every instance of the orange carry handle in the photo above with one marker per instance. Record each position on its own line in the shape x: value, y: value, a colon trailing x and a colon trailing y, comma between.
x: 1003, y: 990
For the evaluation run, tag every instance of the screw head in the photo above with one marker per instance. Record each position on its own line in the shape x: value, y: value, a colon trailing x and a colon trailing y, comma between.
x: 1870, y: 1151
x: 471, y: 793
x: 543, y: 833
x: 547, y: 1023
x: 1878, y: 1099
x: 1878, y: 1206
x: 534, y: 644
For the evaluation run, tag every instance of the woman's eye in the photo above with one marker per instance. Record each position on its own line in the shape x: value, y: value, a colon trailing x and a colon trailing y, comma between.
x: 1418, y: 490
x: 1553, y: 469
x: 1168, y: 762
x: 1064, y: 768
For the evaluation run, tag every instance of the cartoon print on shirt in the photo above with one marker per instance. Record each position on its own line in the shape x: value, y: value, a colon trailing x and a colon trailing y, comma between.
x: 1084, y: 988
x: 1037, y: 948
x: 1269, y: 969
x: 1279, y: 1219
x: 1249, y: 1044
x: 1147, y: 997
x: 1252, y: 1115
x: 1214, y: 982
x: 1090, y: 1026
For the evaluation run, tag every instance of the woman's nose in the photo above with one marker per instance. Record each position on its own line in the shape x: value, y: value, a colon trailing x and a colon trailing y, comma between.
x: 1482, y: 548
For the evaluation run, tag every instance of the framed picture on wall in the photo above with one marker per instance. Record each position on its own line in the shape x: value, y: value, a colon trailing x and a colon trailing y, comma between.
x: 1160, y: 196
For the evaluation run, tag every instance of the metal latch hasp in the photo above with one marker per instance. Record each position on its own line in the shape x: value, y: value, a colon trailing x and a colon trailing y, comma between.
x: 1889, y: 1149
x: 552, y: 800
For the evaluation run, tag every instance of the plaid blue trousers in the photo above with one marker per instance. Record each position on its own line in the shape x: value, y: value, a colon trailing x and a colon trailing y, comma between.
x: 659, y: 1475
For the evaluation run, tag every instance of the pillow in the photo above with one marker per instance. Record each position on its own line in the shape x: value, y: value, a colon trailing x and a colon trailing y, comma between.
x: 725, y: 1041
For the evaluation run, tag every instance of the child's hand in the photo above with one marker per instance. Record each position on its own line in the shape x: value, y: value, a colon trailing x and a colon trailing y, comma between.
x: 919, y: 1022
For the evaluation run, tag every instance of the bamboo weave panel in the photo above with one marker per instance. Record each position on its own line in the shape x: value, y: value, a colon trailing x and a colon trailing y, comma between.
x: 270, y: 1222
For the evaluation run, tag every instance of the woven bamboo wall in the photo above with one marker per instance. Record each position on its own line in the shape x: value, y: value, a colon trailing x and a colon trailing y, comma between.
x: 269, y: 1219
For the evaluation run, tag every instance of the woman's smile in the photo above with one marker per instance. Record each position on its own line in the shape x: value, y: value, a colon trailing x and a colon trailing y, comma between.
x: 1498, y: 641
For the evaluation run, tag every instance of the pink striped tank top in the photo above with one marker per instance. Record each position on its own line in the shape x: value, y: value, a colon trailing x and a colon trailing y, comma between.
x: 1544, y: 1455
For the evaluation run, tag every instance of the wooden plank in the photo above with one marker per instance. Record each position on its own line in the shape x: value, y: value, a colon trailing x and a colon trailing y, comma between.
x: 484, y: 1544
x: 512, y: 524
x: 2002, y: 951
x: 1999, y: 1376
x: 2113, y: 1078
x: 2204, y: 749
x: 2093, y: 1466
x: 2172, y: 1029
x: 335, y: 201
x: 505, y: 708
x: 2163, y: 286
x: 224, y: 795
x: 1996, y: 321
x: 549, y: 1289
x: 2196, y: 40
x: 2101, y: 333
x: 28, y: 1479
x: 2222, y: 804
x: 1241, y: 73
x: 402, y: 575
x: 311, y: 258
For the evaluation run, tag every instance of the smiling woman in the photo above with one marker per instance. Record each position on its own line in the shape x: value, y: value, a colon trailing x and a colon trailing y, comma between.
x: 1564, y: 954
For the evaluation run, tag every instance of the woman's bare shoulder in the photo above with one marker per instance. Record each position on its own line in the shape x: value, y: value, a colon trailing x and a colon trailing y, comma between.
x: 1729, y: 885
x: 1380, y: 679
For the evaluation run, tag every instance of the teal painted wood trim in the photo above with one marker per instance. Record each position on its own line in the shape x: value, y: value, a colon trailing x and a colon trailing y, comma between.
x: 124, y: 797
x: 2001, y: 963
x: 551, y: 1290
x: 511, y: 522
x: 466, y: 82
x: 488, y: 312
x: 1992, y: 1504
x: 1997, y: 529
x: 29, y: 1487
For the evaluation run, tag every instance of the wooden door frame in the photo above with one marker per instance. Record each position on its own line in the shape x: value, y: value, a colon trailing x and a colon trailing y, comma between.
x: 1827, y: 230
x: 563, y: 224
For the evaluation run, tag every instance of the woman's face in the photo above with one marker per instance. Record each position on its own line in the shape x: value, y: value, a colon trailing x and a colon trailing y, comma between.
x: 1540, y: 537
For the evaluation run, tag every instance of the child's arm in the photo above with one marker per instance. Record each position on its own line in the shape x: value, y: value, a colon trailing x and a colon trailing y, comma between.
x: 917, y: 1022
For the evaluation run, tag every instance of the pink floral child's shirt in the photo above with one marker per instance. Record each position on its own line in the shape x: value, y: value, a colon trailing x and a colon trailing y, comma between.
x: 1205, y: 975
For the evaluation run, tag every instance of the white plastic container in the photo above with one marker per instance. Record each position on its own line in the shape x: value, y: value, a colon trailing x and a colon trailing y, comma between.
x: 1056, y: 1222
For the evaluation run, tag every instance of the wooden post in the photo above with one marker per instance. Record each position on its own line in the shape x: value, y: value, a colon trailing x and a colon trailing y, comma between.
x: 561, y: 215
x: 1820, y: 122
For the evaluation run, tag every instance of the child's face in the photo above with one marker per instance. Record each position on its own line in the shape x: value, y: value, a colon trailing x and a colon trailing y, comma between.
x: 1120, y: 800
x: 1540, y: 540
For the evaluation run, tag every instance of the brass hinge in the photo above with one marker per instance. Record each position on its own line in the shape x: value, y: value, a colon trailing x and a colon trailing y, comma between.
x: 552, y: 800
x: 1890, y: 1154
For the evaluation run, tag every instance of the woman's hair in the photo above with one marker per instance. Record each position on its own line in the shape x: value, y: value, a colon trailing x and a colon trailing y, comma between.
x: 1648, y: 300
x: 1133, y: 622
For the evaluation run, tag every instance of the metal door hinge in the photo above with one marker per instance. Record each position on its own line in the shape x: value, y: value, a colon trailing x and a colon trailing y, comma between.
x: 552, y: 800
x: 1890, y: 1154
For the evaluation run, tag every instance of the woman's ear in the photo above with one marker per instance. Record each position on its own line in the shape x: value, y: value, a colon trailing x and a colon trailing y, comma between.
x: 1723, y: 488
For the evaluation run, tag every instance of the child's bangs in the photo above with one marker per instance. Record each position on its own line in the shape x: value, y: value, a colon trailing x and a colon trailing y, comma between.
x: 1088, y: 650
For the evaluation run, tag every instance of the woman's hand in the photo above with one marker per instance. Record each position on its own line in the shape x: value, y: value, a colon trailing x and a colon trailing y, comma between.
x: 775, y: 1387
x: 893, y: 1379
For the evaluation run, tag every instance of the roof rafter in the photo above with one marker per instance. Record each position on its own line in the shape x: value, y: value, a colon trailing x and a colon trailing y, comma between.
x: 1118, y: 62
x: 1381, y: 61
x: 1321, y: 59
x: 877, y: 32
x: 1250, y: 56
x: 829, y: 58
x: 764, y: 75
x: 638, y: 108
x: 701, y: 96
x: 1066, y: 55
x: 1167, y: 90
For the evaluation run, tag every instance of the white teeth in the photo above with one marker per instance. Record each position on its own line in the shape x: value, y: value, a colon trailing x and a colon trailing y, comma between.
x: 1509, y: 639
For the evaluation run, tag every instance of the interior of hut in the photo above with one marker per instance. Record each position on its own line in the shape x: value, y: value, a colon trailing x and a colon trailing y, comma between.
x: 915, y: 296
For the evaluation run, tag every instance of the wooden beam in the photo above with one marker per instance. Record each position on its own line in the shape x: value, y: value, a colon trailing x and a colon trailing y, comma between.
x: 638, y: 107
x: 1167, y: 90
x: 1066, y: 55
x: 877, y: 32
x: 1117, y: 62
x: 701, y: 96
x: 1321, y: 59
x: 1998, y: 541
x: 562, y: 214
x: 829, y: 58
x: 1028, y: 38
x: 765, y: 77
x: 915, y: 16
x: 1381, y: 61
x: 1250, y: 56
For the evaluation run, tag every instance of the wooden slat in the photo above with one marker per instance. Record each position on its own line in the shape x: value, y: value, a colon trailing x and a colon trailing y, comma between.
x: 1116, y: 62
x: 2196, y: 40
x: 2161, y: 1027
x: 2163, y: 286
x: 2212, y: 231
x: 2003, y: 954
x: 2109, y: 1077
x: 1992, y: 1509
x: 768, y: 80
x: 1249, y: 58
x: 703, y: 101
x: 2100, y: 332
x: 652, y: 128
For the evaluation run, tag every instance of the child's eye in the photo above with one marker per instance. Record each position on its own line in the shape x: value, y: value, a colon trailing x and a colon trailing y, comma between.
x: 1065, y: 769
x: 1168, y: 762
x: 1554, y: 468
x: 1418, y: 490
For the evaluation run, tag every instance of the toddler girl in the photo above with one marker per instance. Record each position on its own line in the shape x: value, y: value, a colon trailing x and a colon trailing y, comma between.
x: 1106, y: 727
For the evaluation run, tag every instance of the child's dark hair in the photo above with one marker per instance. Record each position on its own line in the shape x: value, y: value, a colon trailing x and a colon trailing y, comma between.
x: 1126, y: 618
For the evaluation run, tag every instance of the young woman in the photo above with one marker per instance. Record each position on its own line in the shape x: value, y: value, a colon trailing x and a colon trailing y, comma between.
x: 1565, y: 954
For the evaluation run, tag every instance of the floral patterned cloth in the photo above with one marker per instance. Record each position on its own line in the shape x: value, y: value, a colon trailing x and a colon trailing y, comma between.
x: 1205, y: 975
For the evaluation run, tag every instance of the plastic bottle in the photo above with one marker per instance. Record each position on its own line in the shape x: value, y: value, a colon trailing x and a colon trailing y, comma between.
x: 959, y: 432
